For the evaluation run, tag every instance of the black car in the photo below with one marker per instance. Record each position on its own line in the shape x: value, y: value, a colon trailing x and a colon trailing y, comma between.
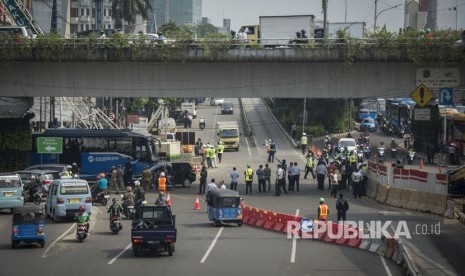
x: 179, y: 173
x: 227, y: 108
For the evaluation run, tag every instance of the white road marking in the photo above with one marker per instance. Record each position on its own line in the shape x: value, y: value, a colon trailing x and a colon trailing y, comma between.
x: 119, y: 254
x: 248, y: 147
x: 45, y: 255
x: 388, y: 271
x: 257, y: 147
x: 294, y: 243
x: 211, y: 246
x: 214, y: 125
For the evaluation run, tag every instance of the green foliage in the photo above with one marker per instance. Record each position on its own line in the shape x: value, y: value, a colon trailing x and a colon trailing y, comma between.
x: 204, y: 29
x: 128, y: 10
x: 215, y: 42
x: 15, y: 143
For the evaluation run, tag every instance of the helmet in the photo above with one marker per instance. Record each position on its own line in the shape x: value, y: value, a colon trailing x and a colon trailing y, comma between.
x: 248, y: 165
x: 136, y: 183
x: 82, y: 208
x: 114, y: 200
x: 129, y: 189
x: 303, y: 134
x: 162, y: 174
x: 322, y: 200
x: 392, y: 139
x: 220, y: 143
x: 74, y: 165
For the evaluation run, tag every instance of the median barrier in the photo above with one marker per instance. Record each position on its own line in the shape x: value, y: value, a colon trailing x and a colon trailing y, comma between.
x: 424, y: 204
x: 261, y: 218
x: 414, y: 200
x: 431, y: 201
x: 382, y: 193
x: 253, y: 217
x: 342, y: 240
x: 270, y: 221
x: 372, y: 189
x: 245, y: 213
x: 439, y: 205
x: 378, y: 246
x: 390, y: 244
x: 357, y: 241
x: 280, y: 224
x: 404, y: 198
x: 393, y: 196
x: 332, y: 229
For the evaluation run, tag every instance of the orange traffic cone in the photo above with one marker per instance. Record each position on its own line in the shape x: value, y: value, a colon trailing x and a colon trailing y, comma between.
x: 421, y: 163
x: 168, y: 200
x: 197, y: 204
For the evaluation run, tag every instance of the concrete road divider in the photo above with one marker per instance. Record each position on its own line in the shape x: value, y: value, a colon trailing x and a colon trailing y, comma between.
x: 382, y: 194
x: 404, y: 198
x: 280, y: 223
x: 414, y: 200
x: 253, y: 217
x: 270, y: 221
x: 393, y: 196
x: 424, y: 205
x: 261, y: 218
x: 440, y: 204
x: 372, y: 188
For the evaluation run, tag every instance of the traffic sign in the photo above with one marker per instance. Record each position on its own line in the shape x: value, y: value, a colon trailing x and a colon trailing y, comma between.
x: 422, y: 114
x: 422, y: 95
x: 111, y: 116
x: 446, y: 96
x: 49, y: 145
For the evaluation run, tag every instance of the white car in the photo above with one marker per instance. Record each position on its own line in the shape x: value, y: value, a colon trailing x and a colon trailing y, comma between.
x: 349, y: 143
x: 216, y: 101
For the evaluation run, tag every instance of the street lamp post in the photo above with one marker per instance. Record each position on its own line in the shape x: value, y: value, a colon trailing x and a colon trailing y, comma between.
x: 345, y: 14
x: 378, y: 13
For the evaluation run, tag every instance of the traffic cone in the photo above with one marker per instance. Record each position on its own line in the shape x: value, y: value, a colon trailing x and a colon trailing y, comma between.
x: 168, y: 200
x: 421, y: 163
x: 197, y: 204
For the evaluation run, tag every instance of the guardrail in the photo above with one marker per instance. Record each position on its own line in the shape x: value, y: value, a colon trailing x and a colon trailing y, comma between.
x: 245, y: 122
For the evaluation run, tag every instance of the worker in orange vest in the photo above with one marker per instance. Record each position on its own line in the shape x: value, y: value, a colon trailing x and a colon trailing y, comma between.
x: 323, y: 210
x: 162, y: 182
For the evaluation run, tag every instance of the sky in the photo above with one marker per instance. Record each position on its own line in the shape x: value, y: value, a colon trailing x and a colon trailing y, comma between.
x: 243, y: 12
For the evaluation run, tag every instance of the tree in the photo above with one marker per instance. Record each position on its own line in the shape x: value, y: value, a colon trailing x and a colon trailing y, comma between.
x: 128, y: 10
x: 203, y: 29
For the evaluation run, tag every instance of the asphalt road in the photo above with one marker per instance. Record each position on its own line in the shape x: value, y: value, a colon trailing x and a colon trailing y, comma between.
x: 237, y: 250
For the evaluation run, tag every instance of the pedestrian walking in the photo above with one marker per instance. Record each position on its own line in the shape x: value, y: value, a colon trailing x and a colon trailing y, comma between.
x: 279, y: 181
x: 267, y: 175
x: 203, y: 180
x: 321, y: 173
x: 323, y: 210
x: 342, y: 206
x: 295, y: 176
x: 293, y: 130
x: 120, y: 178
x: 309, y: 167
x: 213, y: 156
x: 272, y: 151
x: 128, y: 172
x: 303, y: 142
x: 220, y: 151
x: 290, y: 180
x: 334, y: 182
x: 202, y: 155
x: 234, y: 179
x: 356, y: 183
x: 146, y: 179
x: 261, y: 179
x: 208, y: 156
x: 113, y: 182
x: 343, y: 172
x: 248, y: 173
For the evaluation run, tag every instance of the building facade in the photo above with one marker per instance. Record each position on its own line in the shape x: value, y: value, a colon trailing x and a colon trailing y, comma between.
x: 88, y: 14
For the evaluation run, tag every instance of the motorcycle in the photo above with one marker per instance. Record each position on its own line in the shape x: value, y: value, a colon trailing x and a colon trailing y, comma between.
x: 367, y: 151
x: 411, y: 157
x: 36, y: 197
x: 81, y: 231
x: 100, y: 197
x: 128, y: 209
x: 407, y: 141
x: 393, y: 152
x: 202, y: 126
x: 381, y: 151
x: 360, y: 155
x: 116, y: 225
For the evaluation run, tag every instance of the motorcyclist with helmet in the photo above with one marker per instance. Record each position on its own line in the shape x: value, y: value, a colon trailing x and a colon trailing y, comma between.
x: 75, y: 170
x: 128, y: 197
x: 35, y: 186
x: 115, y: 210
x: 139, y: 193
x: 201, y: 123
x: 82, y: 217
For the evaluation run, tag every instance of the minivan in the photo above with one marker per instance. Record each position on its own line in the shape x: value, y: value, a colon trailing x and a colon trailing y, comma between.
x: 65, y: 196
x: 11, y: 191
x: 22, y: 31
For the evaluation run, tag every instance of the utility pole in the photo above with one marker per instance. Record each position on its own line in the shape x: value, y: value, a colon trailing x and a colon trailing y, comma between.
x: 376, y: 15
x: 325, y: 18
x: 303, y: 116
x: 345, y: 15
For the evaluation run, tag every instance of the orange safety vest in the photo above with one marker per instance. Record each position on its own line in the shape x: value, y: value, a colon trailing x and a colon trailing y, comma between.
x: 323, y: 212
x: 162, y: 184
x: 268, y: 149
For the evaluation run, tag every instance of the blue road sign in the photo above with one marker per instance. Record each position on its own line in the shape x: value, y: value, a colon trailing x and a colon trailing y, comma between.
x: 446, y: 96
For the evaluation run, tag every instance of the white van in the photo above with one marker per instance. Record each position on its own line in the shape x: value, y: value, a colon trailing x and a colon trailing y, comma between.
x: 22, y: 31
x: 190, y: 108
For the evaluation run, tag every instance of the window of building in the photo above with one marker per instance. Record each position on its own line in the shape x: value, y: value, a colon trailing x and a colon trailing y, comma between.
x: 74, y: 12
x: 88, y: 12
x: 104, y: 12
x: 87, y: 27
x: 82, y: 12
x: 93, y: 26
x: 109, y: 12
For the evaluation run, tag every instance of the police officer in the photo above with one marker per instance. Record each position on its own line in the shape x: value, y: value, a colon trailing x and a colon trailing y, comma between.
x: 220, y: 150
x: 248, y: 173
x: 303, y: 142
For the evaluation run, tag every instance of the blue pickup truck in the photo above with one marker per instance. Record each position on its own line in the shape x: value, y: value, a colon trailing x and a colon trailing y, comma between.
x: 153, y: 228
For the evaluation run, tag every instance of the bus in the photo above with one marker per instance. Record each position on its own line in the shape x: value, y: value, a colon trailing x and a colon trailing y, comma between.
x: 399, y: 111
x: 97, y: 150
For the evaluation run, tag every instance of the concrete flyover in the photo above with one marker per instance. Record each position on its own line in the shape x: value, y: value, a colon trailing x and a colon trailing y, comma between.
x: 293, y: 73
